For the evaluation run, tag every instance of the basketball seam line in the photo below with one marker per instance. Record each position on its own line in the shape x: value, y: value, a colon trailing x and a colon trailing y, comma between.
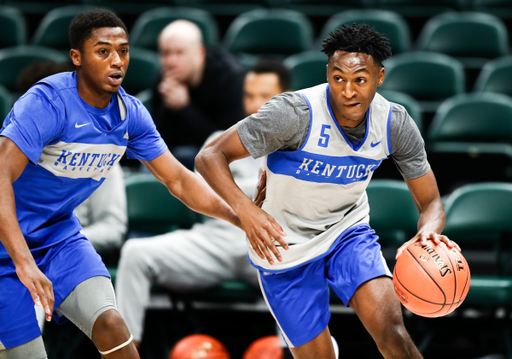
x: 414, y: 295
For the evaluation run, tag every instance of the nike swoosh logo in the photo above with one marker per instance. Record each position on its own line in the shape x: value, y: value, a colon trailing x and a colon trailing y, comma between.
x: 374, y: 144
x: 78, y: 126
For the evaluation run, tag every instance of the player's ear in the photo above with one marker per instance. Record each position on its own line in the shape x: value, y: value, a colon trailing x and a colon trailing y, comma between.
x: 382, y: 74
x: 75, y: 57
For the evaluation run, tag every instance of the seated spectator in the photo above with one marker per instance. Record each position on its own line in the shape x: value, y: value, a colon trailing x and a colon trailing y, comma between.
x: 209, y: 253
x: 198, y: 92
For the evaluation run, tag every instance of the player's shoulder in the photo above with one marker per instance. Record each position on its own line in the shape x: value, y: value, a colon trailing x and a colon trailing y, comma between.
x: 133, y: 104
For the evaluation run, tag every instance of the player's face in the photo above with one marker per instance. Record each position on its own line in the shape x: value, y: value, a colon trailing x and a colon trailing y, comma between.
x: 353, y: 80
x: 103, y: 61
x: 259, y: 89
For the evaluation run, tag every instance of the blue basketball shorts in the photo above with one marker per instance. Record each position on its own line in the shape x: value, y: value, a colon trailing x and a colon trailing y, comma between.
x: 299, y: 297
x: 66, y: 265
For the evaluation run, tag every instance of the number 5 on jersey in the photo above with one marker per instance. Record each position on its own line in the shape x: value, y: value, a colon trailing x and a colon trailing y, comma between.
x: 324, y: 137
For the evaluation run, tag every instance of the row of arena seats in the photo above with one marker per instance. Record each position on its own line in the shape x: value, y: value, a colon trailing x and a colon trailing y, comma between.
x: 472, y: 37
x: 409, y: 8
x: 478, y: 219
x: 424, y: 80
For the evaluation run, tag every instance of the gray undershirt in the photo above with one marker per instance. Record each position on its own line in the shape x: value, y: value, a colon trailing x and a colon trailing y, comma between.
x: 283, y: 124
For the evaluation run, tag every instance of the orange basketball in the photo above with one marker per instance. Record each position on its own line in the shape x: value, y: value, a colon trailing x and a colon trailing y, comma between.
x: 199, y: 346
x: 431, y: 280
x: 265, y: 348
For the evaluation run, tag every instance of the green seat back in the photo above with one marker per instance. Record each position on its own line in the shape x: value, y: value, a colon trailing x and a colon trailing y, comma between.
x: 411, y: 105
x: 269, y: 32
x: 500, y: 8
x: 477, y: 117
x: 53, y: 30
x: 393, y: 213
x: 421, y: 8
x: 40, y: 7
x: 142, y: 71
x: 424, y: 76
x: 5, y: 103
x: 466, y: 34
x: 479, y: 208
x: 148, y: 25
x: 13, y: 29
x: 386, y: 22
x: 146, y: 97
x: 324, y: 7
x: 308, y: 69
x: 13, y: 60
x: 231, y: 7
x: 496, y: 76
x: 132, y: 7
x: 152, y: 209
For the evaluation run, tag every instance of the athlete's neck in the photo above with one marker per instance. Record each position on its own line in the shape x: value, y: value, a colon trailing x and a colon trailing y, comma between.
x: 89, y: 95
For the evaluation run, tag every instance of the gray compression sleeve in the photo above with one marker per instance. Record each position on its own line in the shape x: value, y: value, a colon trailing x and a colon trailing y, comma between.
x: 87, y: 302
x: 33, y: 349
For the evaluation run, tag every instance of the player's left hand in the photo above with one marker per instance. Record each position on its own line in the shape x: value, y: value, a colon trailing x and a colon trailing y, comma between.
x: 423, y: 237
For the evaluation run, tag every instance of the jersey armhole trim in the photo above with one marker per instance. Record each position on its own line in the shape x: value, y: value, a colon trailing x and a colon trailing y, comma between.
x: 389, y: 128
x: 310, y: 120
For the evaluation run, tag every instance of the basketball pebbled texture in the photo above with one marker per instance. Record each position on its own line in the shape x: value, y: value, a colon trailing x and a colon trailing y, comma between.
x: 431, y: 280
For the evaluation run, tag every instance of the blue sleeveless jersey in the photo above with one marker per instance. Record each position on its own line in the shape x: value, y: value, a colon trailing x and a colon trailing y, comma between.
x: 70, y: 154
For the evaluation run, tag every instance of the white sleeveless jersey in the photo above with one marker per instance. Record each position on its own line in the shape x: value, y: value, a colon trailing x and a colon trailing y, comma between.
x: 318, y: 191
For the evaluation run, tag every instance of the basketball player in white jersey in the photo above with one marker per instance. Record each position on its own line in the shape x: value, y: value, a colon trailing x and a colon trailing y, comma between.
x: 322, y: 146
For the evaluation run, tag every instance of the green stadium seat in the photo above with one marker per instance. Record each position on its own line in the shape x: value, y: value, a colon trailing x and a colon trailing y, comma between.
x: 411, y: 105
x: 53, y: 30
x: 148, y: 25
x: 41, y: 7
x: 276, y: 32
x: 152, y: 209
x: 145, y: 97
x: 421, y: 8
x: 13, y: 28
x: 143, y: 70
x: 496, y: 76
x: 14, y: 59
x: 132, y: 7
x: 478, y: 219
x: 499, y: 8
x: 470, y: 140
x: 308, y: 69
x: 472, y: 37
x: 5, y: 103
x: 230, y: 7
x: 389, y: 23
x: 324, y: 7
x: 393, y: 214
x: 428, y: 77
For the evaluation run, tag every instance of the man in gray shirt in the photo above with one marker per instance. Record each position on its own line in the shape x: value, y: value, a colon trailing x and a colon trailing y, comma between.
x: 322, y: 146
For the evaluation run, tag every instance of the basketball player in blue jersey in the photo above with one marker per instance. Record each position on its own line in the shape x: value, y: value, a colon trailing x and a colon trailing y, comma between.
x: 57, y: 145
x: 322, y: 146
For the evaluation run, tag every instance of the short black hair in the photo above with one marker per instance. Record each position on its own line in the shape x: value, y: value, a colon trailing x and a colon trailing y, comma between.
x: 358, y: 38
x: 274, y: 66
x: 84, y: 23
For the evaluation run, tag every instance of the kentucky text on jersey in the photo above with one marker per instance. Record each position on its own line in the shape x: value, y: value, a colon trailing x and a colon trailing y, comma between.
x: 81, y: 160
x: 322, y: 169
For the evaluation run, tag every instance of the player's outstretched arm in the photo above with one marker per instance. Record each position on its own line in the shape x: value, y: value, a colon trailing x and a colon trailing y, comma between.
x: 426, y: 196
x: 213, y: 164
x: 12, y: 164
x: 190, y: 188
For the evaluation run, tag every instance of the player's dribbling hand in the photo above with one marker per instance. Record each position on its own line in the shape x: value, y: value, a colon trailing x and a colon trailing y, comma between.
x: 40, y: 287
x: 262, y: 230
x: 423, y: 237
